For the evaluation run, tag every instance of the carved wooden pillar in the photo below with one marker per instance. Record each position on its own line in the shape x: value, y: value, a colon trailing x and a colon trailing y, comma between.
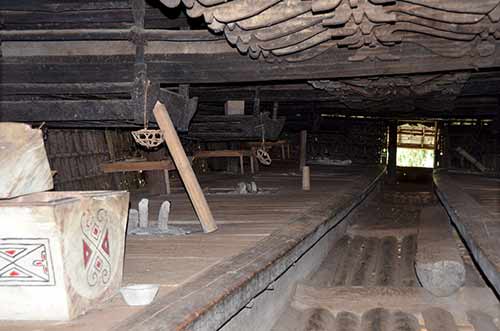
x: 393, y: 147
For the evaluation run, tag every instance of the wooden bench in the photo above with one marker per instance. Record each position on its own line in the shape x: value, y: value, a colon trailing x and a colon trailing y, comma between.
x: 229, y: 153
x: 283, y: 144
x: 140, y: 165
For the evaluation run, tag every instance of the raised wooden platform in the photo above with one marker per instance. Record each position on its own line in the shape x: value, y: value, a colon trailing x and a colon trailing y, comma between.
x: 473, y: 203
x: 259, y: 236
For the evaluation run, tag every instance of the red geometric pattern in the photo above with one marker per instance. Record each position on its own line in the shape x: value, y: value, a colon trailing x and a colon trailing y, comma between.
x: 12, y: 252
x: 87, y: 253
x: 14, y: 273
x: 105, y: 243
x: 25, y: 262
x: 96, y: 247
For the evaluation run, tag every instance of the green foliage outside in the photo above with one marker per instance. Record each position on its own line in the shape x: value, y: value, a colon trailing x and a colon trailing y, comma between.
x: 411, y: 157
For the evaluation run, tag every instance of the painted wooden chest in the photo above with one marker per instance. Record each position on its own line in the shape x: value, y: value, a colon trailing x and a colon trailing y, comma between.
x: 61, y: 253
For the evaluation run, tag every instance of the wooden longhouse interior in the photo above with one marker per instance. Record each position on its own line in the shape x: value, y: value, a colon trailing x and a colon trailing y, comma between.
x: 250, y: 165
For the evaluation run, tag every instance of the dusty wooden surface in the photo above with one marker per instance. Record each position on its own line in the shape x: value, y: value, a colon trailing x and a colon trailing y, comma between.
x: 189, y: 266
x: 473, y: 205
x: 414, y: 300
x: 439, y: 266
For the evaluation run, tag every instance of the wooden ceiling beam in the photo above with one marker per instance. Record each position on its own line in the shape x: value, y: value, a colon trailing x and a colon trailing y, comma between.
x: 69, y: 110
x: 207, y: 62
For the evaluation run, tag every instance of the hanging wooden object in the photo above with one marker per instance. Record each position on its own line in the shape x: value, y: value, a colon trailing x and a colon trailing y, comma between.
x: 146, y: 137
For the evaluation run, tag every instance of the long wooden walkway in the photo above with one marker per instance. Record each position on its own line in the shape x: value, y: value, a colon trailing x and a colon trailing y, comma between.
x: 259, y: 234
x: 368, y: 279
x: 473, y: 203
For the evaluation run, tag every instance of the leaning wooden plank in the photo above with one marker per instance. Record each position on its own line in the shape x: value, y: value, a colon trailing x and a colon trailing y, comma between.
x: 24, y: 167
x: 439, y: 266
x: 471, y: 159
x: 184, y: 167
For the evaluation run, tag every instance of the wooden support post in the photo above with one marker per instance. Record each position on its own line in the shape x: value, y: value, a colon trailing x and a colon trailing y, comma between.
x: 242, y: 169
x: 140, y: 68
x: 283, y: 155
x: 496, y: 131
x: 112, y: 156
x: 306, y: 178
x: 256, y: 102
x: 303, y: 148
x: 252, y: 167
x: 167, y: 181
x: 446, y: 146
x: 184, y: 167
x: 437, y: 143
x: 393, y: 147
x: 275, y: 110
x: 254, y: 157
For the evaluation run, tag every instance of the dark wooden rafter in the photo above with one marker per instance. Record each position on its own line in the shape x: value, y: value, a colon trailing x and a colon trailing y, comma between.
x: 47, y: 14
x: 107, y: 34
x: 68, y: 110
x: 214, y: 62
x: 299, y: 30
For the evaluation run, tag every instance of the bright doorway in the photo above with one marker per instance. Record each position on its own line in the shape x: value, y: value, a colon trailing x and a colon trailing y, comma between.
x: 416, y: 142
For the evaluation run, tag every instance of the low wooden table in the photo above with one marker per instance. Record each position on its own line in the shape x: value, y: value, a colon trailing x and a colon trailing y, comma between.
x: 229, y: 153
x: 285, y: 146
x: 133, y: 165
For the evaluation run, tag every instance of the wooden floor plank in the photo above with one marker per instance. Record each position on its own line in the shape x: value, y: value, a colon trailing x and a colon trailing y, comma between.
x: 182, y: 264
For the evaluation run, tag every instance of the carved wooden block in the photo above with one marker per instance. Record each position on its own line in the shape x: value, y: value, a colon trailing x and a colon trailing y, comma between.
x: 24, y: 167
x: 61, y: 253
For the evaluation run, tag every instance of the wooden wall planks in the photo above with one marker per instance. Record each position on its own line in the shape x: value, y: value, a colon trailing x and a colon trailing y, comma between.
x: 76, y: 155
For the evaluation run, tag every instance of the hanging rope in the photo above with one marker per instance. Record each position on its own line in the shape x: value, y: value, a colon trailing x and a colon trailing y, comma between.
x: 148, y: 138
x: 262, y: 154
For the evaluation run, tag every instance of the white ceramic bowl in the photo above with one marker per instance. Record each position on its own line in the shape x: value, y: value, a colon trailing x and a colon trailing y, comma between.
x: 139, y: 294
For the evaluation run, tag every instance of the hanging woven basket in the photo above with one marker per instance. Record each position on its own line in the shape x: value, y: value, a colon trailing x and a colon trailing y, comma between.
x: 148, y: 138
